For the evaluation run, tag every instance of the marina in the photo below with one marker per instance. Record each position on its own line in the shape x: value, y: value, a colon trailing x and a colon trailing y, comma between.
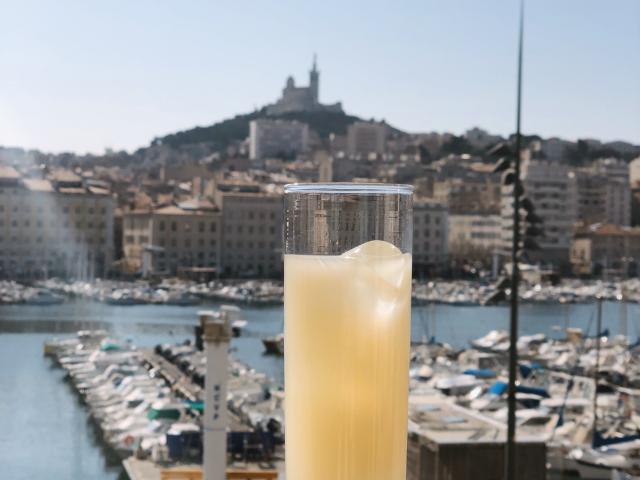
x: 438, y: 374
x: 270, y: 292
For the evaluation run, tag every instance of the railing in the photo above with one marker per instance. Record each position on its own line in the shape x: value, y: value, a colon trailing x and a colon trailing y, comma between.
x: 194, y: 473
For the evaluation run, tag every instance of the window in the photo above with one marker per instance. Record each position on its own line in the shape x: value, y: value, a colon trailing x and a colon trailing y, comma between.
x: 201, y: 242
x: 250, y: 229
x: 187, y: 243
x: 212, y: 243
x: 90, y: 211
x: 240, y: 229
x: 272, y: 216
x: 250, y: 215
x: 272, y: 230
x: 201, y: 227
x: 78, y: 209
x: 128, y: 239
x: 161, y: 225
x: 212, y: 227
x: 174, y: 227
x: 187, y: 227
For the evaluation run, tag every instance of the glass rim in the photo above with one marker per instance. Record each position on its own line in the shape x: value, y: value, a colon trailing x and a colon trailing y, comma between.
x: 350, y: 188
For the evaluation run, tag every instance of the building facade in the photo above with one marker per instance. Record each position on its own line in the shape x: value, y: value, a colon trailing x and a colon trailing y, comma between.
x: 473, y: 232
x: 466, y: 195
x: 172, y: 239
x: 430, y: 236
x: 277, y: 138
x: 603, y: 249
x: 365, y: 138
x: 553, y: 193
x: 252, y: 234
x: 54, y: 226
x: 602, y: 198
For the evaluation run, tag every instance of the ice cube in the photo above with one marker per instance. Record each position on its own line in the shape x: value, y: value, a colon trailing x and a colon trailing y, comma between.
x: 374, y: 248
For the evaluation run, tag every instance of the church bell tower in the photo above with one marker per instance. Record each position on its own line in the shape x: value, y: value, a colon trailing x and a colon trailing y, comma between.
x: 314, y: 82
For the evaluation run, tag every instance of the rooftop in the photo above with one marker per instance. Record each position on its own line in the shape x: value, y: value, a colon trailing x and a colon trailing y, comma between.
x: 8, y: 172
x: 606, y: 229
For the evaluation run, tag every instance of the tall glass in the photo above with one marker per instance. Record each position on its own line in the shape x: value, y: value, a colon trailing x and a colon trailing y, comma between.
x: 347, y: 330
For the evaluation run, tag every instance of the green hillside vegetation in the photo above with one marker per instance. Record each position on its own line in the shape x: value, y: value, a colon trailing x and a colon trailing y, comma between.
x: 222, y: 134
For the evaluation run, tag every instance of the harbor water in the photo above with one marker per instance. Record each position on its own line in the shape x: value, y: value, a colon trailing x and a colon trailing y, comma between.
x: 46, y: 433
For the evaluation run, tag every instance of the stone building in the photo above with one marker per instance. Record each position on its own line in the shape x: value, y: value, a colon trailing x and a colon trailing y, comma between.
x: 430, y: 235
x: 302, y: 99
x: 58, y: 225
x: 366, y: 138
x: 474, y: 233
x: 277, y: 138
x: 172, y: 239
x: 602, y: 198
x: 602, y: 249
x: 252, y: 233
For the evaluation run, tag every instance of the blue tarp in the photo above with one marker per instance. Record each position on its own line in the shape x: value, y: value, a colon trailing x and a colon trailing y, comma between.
x: 600, y: 441
x: 526, y: 369
x: 541, y: 392
x: 500, y: 387
x: 480, y: 372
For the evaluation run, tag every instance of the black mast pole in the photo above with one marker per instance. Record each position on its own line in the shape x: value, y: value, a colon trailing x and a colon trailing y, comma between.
x: 510, y: 463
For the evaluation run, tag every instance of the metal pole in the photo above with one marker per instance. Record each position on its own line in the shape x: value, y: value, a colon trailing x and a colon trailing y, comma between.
x: 595, y: 370
x: 510, y: 463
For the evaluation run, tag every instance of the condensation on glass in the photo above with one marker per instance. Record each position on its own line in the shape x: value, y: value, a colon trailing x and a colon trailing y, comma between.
x: 331, y: 218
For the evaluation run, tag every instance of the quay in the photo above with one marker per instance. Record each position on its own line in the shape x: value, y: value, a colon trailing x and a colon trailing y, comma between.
x: 147, y: 470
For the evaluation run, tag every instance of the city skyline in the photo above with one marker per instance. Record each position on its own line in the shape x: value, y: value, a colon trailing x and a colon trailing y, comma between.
x: 84, y: 79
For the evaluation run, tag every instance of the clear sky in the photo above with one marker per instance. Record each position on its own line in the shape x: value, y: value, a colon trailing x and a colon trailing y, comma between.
x: 82, y: 76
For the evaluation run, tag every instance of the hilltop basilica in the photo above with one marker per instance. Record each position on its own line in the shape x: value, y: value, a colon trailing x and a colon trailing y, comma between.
x: 302, y: 99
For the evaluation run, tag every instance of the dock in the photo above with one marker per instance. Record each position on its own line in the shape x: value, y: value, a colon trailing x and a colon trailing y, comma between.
x: 147, y: 470
x: 180, y: 383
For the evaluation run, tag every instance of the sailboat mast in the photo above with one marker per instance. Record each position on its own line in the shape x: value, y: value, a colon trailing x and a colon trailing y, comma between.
x: 597, y: 368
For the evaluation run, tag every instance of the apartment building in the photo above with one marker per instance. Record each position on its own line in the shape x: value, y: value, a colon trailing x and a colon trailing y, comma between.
x: 365, y: 138
x: 474, y: 232
x: 430, y: 235
x: 252, y: 233
x: 54, y: 226
x: 277, y: 138
x: 465, y: 195
x: 602, y: 198
x: 172, y: 239
x: 603, y: 249
x: 553, y: 192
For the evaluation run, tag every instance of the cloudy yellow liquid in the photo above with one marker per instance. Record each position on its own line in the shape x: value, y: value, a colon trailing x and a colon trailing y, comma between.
x: 347, y: 324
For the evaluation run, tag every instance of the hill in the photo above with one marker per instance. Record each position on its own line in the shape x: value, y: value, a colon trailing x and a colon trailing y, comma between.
x: 222, y: 134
